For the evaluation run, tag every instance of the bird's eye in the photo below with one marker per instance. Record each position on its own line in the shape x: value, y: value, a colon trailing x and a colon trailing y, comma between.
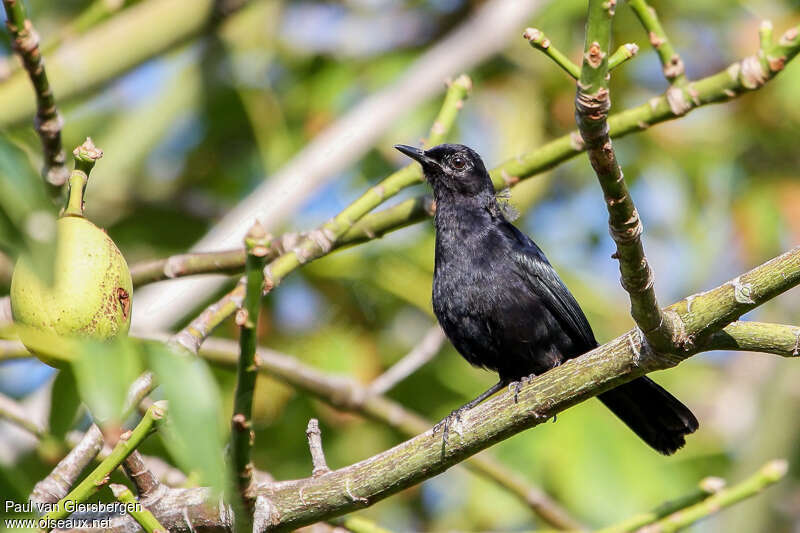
x: 458, y: 162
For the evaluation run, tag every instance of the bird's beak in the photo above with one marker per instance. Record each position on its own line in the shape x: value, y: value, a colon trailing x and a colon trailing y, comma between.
x: 416, y: 154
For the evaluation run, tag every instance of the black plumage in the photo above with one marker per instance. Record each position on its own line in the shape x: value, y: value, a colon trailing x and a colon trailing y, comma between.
x: 503, y: 306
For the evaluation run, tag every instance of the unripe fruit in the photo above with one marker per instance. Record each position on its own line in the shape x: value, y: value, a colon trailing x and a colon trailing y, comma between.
x: 91, y: 291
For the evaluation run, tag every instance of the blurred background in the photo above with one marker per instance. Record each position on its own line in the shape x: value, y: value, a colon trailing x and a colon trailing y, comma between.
x: 192, y: 122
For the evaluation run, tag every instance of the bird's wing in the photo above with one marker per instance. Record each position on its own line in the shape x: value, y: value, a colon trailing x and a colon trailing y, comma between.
x: 533, y: 267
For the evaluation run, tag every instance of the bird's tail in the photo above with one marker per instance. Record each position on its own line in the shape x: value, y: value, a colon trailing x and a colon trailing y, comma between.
x: 652, y: 413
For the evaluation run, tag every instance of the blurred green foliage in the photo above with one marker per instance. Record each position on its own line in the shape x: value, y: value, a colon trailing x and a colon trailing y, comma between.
x: 189, y: 133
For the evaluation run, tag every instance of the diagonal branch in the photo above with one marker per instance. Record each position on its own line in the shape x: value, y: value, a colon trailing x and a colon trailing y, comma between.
x: 348, y: 395
x: 671, y: 63
x: 767, y: 475
x: 291, y: 504
x: 48, y: 121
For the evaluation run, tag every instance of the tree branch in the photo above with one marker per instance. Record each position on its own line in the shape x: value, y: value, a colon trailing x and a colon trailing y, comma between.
x: 314, y: 435
x: 99, y: 476
x: 592, y: 103
x: 671, y: 62
x: 145, y: 481
x: 137, y: 511
x: 256, y: 243
x: 291, y: 504
x: 706, y: 487
x: 624, y: 53
x: 48, y: 121
x: 539, y: 40
x: 767, y: 475
x: 348, y: 395
x: 777, y: 339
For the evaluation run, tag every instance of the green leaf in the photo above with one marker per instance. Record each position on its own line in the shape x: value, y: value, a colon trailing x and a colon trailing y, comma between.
x: 193, y: 433
x: 27, y: 217
x: 64, y: 403
x: 104, y: 372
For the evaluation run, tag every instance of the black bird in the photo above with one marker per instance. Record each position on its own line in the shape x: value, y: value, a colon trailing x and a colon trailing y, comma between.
x: 504, y: 307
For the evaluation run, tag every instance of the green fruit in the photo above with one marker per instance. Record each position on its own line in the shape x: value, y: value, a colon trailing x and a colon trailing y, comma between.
x: 91, y: 291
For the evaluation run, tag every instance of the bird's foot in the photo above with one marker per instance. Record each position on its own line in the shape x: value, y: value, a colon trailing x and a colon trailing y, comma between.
x: 447, y: 422
x: 515, y: 386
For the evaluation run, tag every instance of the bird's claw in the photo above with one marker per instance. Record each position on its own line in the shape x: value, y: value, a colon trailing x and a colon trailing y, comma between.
x: 515, y: 386
x: 446, y: 422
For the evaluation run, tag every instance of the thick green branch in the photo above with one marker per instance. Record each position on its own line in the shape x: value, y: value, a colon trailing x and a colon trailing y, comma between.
x: 256, y: 243
x: 592, y: 103
x: 134, y: 508
x: 671, y: 62
x: 48, y: 121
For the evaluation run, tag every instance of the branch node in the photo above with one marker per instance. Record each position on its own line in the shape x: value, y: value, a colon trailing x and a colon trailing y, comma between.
x: 742, y: 292
x: 677, y: 101
x: 314, y: 435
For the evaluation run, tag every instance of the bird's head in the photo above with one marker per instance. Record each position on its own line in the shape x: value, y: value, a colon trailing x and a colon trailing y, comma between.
x: 452, y: 167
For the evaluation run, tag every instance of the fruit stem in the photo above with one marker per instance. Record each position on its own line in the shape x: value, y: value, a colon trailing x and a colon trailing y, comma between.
x: 85, y: 157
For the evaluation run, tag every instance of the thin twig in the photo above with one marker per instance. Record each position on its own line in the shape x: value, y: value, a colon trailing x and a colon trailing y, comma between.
x: 135, y: 508
x: 165, y: 473
x: 592, y: 103
x: 180, y: 265
x: 671, y: 62
x: 541, y: 42
x: 314, y: 435
x: 704, y: 489
x: 48, y: 121
x: 623, y: 53
x: 767, y: 475
x: 423, y: 352
x: 99, y: 476
x: 193, y: 335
